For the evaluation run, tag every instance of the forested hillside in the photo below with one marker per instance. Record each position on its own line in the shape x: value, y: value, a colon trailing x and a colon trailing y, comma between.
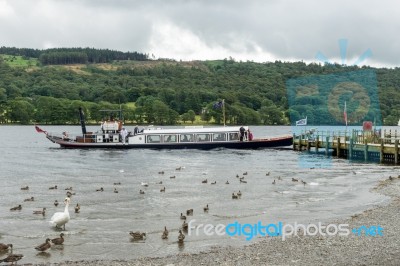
x: 169, y: 92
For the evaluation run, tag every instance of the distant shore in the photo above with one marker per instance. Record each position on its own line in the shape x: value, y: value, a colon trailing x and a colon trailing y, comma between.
x: 304, y: 250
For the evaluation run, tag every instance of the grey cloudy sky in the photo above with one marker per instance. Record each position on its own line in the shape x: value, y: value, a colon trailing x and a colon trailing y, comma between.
x: 257, y: 30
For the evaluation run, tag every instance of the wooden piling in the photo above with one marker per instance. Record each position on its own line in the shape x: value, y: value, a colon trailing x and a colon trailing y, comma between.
x: 317, y: 144
x: 365, y: 150
x: 381, y: 155
x: 396, y: 151
x: 327, y: 146
x: 338, y: 147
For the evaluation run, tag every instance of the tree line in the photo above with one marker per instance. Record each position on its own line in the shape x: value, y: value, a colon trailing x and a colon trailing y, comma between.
x: 169, y: 92
x: 62, y: 56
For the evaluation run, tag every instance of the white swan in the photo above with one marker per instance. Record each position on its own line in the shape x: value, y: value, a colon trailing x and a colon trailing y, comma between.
x: 61, y: 218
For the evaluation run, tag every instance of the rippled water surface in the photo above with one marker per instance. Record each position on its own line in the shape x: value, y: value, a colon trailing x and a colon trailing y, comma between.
x: 101, y: 229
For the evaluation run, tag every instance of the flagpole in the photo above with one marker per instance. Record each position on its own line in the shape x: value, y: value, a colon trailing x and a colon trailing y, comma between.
x: 223, y: 109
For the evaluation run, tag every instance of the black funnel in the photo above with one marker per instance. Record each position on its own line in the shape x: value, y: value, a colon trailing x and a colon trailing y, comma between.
x: 82, y: 117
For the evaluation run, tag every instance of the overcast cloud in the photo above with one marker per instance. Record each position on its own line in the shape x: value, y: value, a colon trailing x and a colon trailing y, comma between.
x: 269, y: 30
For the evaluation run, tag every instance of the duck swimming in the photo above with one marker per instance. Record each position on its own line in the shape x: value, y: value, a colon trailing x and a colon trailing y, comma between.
x: 204, y: 181
x: 189, y: 212
x: 29, y: 199
x: 58, y: 240
x: 141, y: 192
x: 183, y: 217
x: 77, y: 208
x: 165, y: 233
x: 100, y: 189
x: 4, y: 247
x: 206, y: 208
x: 181, y: 237
x: 42, y: 212
x: 185, y: 226
x: 45, y: 246
x: 25, y: 188
x: 56, y: 203
x: 12, y: 258
x: 55, y: 187
x: 17, y: 208
x: 162, y: 190
x: 138, y: 235
x: 234, y: 196
x: 61, y: 218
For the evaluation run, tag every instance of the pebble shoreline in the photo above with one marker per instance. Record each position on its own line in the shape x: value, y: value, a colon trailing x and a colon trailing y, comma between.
x: 302, y: 250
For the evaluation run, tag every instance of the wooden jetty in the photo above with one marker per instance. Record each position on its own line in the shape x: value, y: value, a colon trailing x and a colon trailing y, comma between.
x: 357, y: 144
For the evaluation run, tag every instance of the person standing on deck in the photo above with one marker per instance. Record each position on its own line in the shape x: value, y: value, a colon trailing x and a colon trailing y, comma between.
x: 249, y: 135
x: 124, y: 133
x: 242, y: 130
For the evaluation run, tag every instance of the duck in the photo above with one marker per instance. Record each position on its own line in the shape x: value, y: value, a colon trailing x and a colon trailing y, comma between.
x: 55, y: 187
x: 179, y: 168
x: 56, y: 203
x: 100, y: 189
x: 268, y: 173
x: 77, y: 208
x: 213, y: 183
x: 61, y: 218
x: 245, y: 173
x: 29, y: 199
x: 4, y: 247
x: 227, y: 182
x: 161, y: 172
x: 189, y: 212
x: 12, y: 258
x: 162, y: 190
x: 160, y: 183
x: 68, y: 188
x: 181, y: 237
x: 294, y: 179
x: 45, y: 246
x: 243, y: 181
x: 58, y: 240
x: 206, y: 208
x: 237, y: 176
x: 303, y: 182
x: 172, y: 177
x: 183, y: 217
x: 141, y: 192
x: 273, y: 182
x: 42, y: 212
x: 17, y: 208
x: 279, y: 178
x: 69, y: 193
x: 234, y: 196
x: 115, y: 190
x: 138, y: 235
x: 144, y: 184
x: 165, y: 233
x: 25, y: 188
x: 185, y: 226
x: 204, y: 181
x: 117, y: 184
x: 239, y: 194
x: 242, y: 178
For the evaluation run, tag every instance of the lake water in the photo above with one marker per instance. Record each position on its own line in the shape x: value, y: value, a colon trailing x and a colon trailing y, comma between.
x: 101, y: 229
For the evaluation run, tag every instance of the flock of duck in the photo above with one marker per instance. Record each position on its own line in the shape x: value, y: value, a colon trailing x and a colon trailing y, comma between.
x: 60, y: 219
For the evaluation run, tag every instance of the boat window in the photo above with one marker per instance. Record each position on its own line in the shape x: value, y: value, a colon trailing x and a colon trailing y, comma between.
x: 170, y: 138
x: 233, y: 136
x: 153, y: 139
x: 186, y: 138
x: 203, y: 137
x: 219, y: 137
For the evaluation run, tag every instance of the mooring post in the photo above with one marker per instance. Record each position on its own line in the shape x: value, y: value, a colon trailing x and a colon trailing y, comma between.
x: 381, y: 158
x: 294, y: 141
x: 299, y: 147
x: 338, y: 147
x: 327, y: 145
x: 317, y: 143
x: 396, y: 151
x: 350, y: 154
x: 365, y: 150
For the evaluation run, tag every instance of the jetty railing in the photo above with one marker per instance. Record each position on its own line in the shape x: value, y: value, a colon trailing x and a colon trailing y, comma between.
x: 355, y: 144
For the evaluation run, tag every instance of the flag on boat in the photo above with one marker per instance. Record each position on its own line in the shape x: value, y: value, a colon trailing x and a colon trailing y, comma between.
x: 345, y: 113
x: 302, y: 122
x: 39, y: 130
x: 218, y: 105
